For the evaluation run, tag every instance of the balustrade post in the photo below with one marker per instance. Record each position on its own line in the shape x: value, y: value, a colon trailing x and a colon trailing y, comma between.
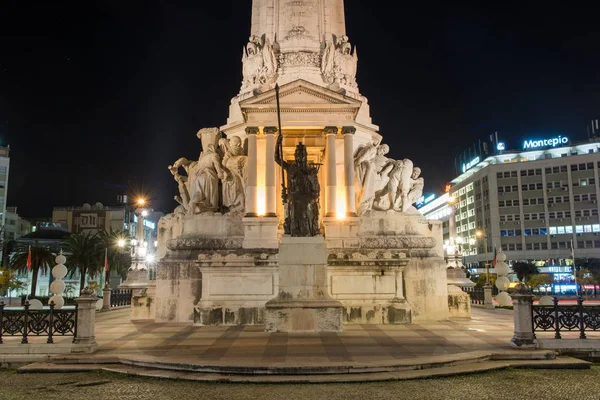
x: 581, y: 322
x: 50, y: 323
x: 524, y: 337
x: 106, y: 299
x: 1, y: 320
x: 86, y: 321
x: 25, y: 322
x: 556, y: 321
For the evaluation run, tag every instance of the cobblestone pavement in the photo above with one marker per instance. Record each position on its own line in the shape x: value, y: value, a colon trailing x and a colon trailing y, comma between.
x: 512, y: 384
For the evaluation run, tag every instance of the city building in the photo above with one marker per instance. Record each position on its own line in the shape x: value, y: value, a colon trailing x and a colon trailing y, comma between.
x: 98, y: 217
x: 4, y: 168
x: 532, y: 202
x: 15, y: 226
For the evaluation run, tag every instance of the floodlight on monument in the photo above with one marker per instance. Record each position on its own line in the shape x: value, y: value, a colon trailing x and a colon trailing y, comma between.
x: 156, y: 243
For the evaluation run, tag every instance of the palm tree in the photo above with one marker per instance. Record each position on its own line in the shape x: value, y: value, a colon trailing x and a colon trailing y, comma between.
x: 119, y: 259
x: 41, y: 259
x: 86, y: 253
x: 524, y: 270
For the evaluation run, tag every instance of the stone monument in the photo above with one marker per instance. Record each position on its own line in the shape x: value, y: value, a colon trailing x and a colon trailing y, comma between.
x: 303, y: 303
x: 235, y: 244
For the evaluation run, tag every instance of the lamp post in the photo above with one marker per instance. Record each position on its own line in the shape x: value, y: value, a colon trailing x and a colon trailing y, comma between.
x: 488, y: 301
x: 481, y: 234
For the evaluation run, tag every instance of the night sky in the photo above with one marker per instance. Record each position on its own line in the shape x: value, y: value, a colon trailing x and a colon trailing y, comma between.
x: 98, y: 97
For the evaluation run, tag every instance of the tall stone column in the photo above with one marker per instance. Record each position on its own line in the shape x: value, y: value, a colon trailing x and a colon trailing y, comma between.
x: 252, y: 172
x: 330, y: 200
x: 271, y: 209
x: 348, y: 132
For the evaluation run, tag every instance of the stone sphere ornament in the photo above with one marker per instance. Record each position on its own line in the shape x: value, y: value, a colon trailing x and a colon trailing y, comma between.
x: 502, y: 283
x: 57, y: 287
x: 58, y: 301
x: 503, y: 299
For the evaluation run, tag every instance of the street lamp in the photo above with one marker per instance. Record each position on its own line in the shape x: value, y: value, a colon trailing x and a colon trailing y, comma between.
x: 480, y: 233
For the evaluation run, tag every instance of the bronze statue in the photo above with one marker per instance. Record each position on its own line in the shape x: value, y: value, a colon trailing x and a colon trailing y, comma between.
x: 302, y: 194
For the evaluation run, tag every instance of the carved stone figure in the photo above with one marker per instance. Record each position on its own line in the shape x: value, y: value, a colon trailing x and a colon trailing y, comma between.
x: 399, y: 184
x: 259, y: 62
x: 234, y: 161
x: 383, y: 183
x: 204, y: 180
x: 338, y: 63
x: 371, y: 169
x: 303, y: 190
x: 182, y: 183
x: 417, y: 184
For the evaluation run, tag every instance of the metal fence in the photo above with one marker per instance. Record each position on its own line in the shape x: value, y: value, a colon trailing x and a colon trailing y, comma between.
x: 120, y: 297
x: 46, y: 322
x: 559, y: 318
x: 477, y: 295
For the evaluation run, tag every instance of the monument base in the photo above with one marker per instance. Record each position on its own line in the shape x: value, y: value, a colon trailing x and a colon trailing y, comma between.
x: 303, y: 303
x: 304, y: 316
x: 136, y: 278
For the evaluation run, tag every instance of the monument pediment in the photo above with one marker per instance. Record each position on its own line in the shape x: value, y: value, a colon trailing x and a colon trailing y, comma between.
x: 300, y: 94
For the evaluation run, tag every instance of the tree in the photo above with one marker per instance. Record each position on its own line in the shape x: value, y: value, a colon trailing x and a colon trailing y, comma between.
x: 86, y: 255
x: 536, y: 280
x: 119, y: 258
x: 524, y: 270
x: 481, y: 280
x: 8, y: 281
x: 42, y: 259
x: 585, y: 277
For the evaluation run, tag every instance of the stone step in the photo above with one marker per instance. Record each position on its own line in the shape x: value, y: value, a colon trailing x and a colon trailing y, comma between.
x: 462, y: 369
x: 258, y: 376
x: 524, y: 355
x: 61, y: 367
x: 185, y: 364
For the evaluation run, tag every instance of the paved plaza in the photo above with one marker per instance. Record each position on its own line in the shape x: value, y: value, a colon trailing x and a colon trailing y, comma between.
x: 517, y: 384
x: 250, y: 345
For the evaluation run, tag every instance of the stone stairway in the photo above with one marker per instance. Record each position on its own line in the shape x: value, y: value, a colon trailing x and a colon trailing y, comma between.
x: 402, y: 369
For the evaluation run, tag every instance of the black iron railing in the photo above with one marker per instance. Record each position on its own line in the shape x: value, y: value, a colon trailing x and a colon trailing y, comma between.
x: 46, y: 322
x: 120, y: 297
x: 557, y: 318
x: 477, y: 295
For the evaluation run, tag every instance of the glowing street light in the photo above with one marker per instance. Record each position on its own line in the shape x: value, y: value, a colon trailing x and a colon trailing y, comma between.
x: 141, y: 202
x: 121, y: 243
x: 479, y: 233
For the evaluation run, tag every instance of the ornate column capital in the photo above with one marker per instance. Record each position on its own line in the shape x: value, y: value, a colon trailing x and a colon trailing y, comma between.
x: 252, y: 130
x: 348, y: 130
x: 269, y: 130
x: 330, y: 130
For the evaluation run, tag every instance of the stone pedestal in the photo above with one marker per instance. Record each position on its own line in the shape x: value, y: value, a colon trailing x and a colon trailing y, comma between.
x: 523, y: 337
x: 341, y: 233
x: 143, y: 302
x: 260, y: 232
x: 459, y: 302
x: 488, y: 299
x: 303, y: 303
x: 136, y: 278
x: 106, y: 299
x: 85, y: 341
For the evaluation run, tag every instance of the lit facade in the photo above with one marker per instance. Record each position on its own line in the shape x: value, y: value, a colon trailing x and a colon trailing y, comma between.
x: 15, y: 226
x: 97, y: 218
x: 532, y: 204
